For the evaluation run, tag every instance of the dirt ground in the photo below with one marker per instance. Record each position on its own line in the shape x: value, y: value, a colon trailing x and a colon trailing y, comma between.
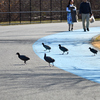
x: 96, y: 42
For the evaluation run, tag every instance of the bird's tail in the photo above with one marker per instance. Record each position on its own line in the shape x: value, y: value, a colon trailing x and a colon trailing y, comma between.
x: 53, y: 60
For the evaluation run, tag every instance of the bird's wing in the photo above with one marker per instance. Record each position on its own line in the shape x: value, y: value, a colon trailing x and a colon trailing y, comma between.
x: 64, y: 49
x: 49, y: 59
x: 23, y: 57
x: 47, y: 47
x: 94, y: 50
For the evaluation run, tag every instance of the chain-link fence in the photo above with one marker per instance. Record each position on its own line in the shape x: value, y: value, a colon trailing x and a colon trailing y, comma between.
x: 37, y: 11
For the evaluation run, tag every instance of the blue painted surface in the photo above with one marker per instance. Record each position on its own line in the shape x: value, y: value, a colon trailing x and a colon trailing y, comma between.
x: 80, y: 61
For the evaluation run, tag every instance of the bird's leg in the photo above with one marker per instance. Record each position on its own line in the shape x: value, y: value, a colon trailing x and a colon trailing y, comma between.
x: 49, y: 65
x: 52, y: 64
x: 62, y: 53
x: 25, y: 62
x: 67, y: 52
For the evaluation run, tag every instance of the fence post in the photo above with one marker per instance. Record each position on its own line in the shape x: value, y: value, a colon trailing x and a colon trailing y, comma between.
x: 20, y: 10
x: 61, y: 10
x: 51, y: 11
x: 9, y: 13
x: 40, y: 11
x: 30, y: 11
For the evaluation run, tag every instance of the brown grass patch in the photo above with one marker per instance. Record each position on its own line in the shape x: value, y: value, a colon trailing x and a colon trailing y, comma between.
x: 96, y: 42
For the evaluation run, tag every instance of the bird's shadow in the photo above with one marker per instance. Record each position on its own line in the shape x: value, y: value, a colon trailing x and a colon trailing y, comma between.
x: 61, y: 54
x: 19, y: 64
x: 45, y: 52
x: 89, y: 56
x: 42, y: 67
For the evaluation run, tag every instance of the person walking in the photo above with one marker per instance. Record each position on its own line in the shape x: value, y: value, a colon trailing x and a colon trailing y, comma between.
x: 85, y: 10
x: 71, y: 14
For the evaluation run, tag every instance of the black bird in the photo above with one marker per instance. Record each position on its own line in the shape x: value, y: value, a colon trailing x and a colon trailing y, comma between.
x: 64, y: 49
x: 49, y: 59
x: 23, y: 57
x: 93, y: 50
x: 46, y: 47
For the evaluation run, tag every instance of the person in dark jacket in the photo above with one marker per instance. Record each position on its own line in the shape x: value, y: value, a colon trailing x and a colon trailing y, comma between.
x: 85, y: 10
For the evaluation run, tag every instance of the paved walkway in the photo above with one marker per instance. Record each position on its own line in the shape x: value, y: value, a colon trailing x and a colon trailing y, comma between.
x: 80, y: 61
x: 36, y: 81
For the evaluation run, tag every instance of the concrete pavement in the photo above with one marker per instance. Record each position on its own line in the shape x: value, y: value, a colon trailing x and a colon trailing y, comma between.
x: 36, y: 81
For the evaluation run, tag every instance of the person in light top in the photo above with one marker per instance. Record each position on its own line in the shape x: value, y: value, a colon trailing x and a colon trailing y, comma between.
x: 70, y: 8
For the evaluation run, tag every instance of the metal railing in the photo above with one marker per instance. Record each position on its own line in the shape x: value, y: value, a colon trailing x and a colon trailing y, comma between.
x: 33, y: 16
x: 31, y: 11
x: 36, y: 16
